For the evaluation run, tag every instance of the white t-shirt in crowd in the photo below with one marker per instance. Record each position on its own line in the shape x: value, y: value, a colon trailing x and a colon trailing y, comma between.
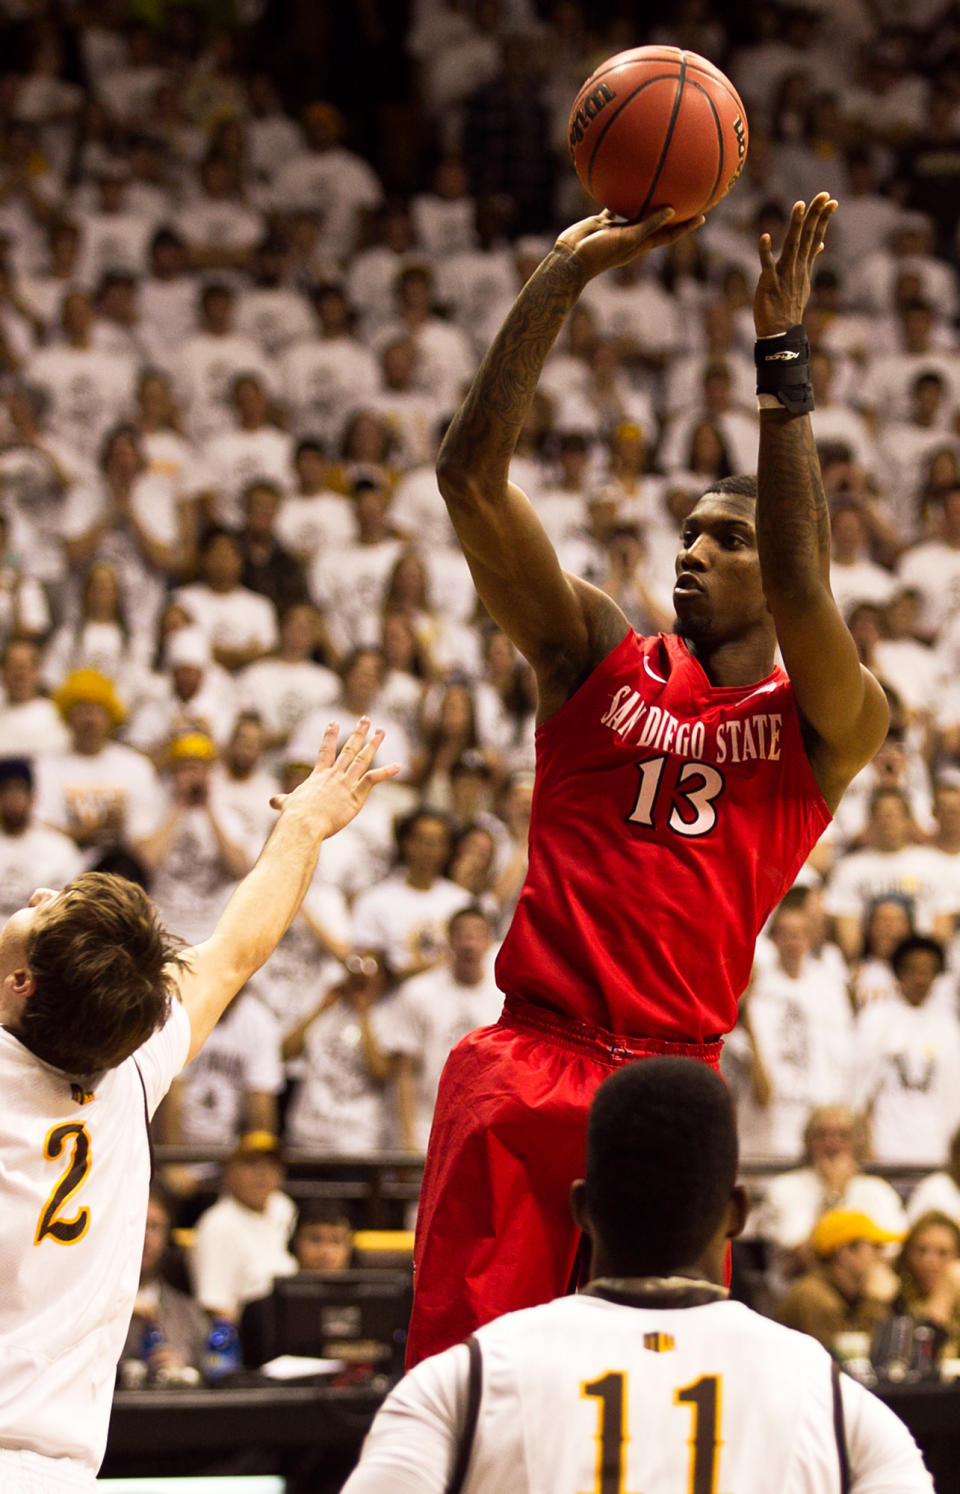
x: 242, y: 1054
x: 77, y: 792
x: 426, y: 1018
x: 324, y: 380
x: 237, y: 1252
x: 406, y: 921
x: 235, y: 619
x: 39, y: 857
x: 921, y: 874
x: 283, y: 691
x: 73, y: 1203
x: 793, y: 1202
x: 907, y: 1080
x: 33, y: 728
x: 237, y: 457
x: 191, y: 885
x: 936, y: 1193
x: 310, y: 523
x: 803, y: 1030
x: 89, y: 391
x: 337, y: 1106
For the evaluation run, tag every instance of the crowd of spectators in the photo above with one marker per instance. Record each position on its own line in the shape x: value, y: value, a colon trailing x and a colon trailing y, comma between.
x: 234, y: 320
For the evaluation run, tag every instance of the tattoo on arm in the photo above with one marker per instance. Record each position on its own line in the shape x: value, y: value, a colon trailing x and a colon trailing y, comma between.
x: 489, y: 421
x: 793, y: 522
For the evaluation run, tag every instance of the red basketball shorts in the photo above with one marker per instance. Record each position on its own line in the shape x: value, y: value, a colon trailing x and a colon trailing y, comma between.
x: 494, y: 1229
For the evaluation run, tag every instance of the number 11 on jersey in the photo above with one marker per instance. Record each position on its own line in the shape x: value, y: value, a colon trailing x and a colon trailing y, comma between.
x: 703, y: 1398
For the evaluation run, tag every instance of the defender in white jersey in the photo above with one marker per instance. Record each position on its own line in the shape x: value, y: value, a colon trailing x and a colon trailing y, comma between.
x: 99, y: 1010
x: 650, y: 1379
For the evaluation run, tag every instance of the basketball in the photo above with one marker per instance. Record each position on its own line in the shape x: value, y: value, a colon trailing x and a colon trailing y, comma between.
x: 658, y: 127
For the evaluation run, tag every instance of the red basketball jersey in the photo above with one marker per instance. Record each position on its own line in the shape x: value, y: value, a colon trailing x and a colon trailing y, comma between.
x: 669, y: 818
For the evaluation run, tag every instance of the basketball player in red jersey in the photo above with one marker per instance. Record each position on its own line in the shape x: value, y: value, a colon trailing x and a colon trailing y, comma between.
x: 681, y: 782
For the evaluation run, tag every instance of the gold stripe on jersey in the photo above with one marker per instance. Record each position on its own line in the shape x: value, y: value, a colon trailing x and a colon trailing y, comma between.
x: 49, y: 1225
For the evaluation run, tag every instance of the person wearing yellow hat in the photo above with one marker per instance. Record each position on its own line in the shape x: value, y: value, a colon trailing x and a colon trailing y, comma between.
x: 199, y: 850
x: 241, y: 1241
x: 851, y: 1287
x: 102, y: 793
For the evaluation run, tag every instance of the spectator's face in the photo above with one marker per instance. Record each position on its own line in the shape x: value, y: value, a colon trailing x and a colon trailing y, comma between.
x: 191, y: 779
x: 791, y: 936
x: 889, y: 923
x: 153, y: 400
x: 246, y: 745
x: 261, y: 506
x: 298, y: 631
x: 90, y: 725
x: 323, y: 1247
x: 186, y: 680
x: 250, y: 401
x: 398, y: 362
x: 831, y: 1136
x: 889, y: 823
x: 16, y: 803
x: 222, y: 563
x: 363, y: 681
x: 21, y: 672
x: 77, y: 314
x: 927, y: 398
x: 858, y: 1259
x: 426, y: 847
x: 252, y: 1179
x: 312, y: 469
x: 155, y: 1239
x: 102, y: 594
x: 123, y: 457
x: 917, y: 972
x: 946, y: 807
x: 218, y: 311
x: 469, y: 942
x: 929, y: 1254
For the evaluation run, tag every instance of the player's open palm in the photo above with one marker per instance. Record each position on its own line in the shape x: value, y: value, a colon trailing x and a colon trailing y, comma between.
x: 602, y: 242
x: 340, y: 782
x: 784, y: 285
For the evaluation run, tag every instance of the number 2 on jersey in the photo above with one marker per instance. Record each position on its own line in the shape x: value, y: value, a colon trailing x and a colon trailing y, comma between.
x: 50, y: 1225
x: 703, y: 1396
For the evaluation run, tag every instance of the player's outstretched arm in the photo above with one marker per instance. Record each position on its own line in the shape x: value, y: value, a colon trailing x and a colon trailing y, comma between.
x: 563, y: 626
x: 842, y: 705
x: 266, y: 901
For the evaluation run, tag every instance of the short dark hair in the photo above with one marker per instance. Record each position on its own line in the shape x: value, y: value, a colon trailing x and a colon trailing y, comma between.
x: 471, y: 910
x: 321, y: 1211
x: 16, y: 769
x: 744, y: 486
x: 103, y: 967
x: 661, y: 1163
x: 913, y: 943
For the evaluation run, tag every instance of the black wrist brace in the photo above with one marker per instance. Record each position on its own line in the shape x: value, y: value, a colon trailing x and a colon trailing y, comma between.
x: 783, y: 369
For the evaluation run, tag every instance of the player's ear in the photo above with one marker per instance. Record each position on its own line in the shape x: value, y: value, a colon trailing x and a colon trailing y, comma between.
x: 578, y: 1205
x: 737, y: 1211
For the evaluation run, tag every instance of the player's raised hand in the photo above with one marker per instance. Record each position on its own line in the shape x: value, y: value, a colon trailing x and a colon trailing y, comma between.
x: 340, y: 782
x: 602, y: 242
x: 784, y: 285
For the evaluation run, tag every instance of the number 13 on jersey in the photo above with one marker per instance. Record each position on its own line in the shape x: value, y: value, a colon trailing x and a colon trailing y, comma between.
x: 703, y: 1398
x: 687, y: 807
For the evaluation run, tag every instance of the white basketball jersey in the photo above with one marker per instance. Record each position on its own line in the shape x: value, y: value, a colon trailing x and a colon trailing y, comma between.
x: 74, y: 1178
x: 585, y: 1396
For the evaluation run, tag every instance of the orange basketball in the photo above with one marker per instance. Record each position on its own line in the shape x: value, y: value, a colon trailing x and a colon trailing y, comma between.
x: 657, y: 127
